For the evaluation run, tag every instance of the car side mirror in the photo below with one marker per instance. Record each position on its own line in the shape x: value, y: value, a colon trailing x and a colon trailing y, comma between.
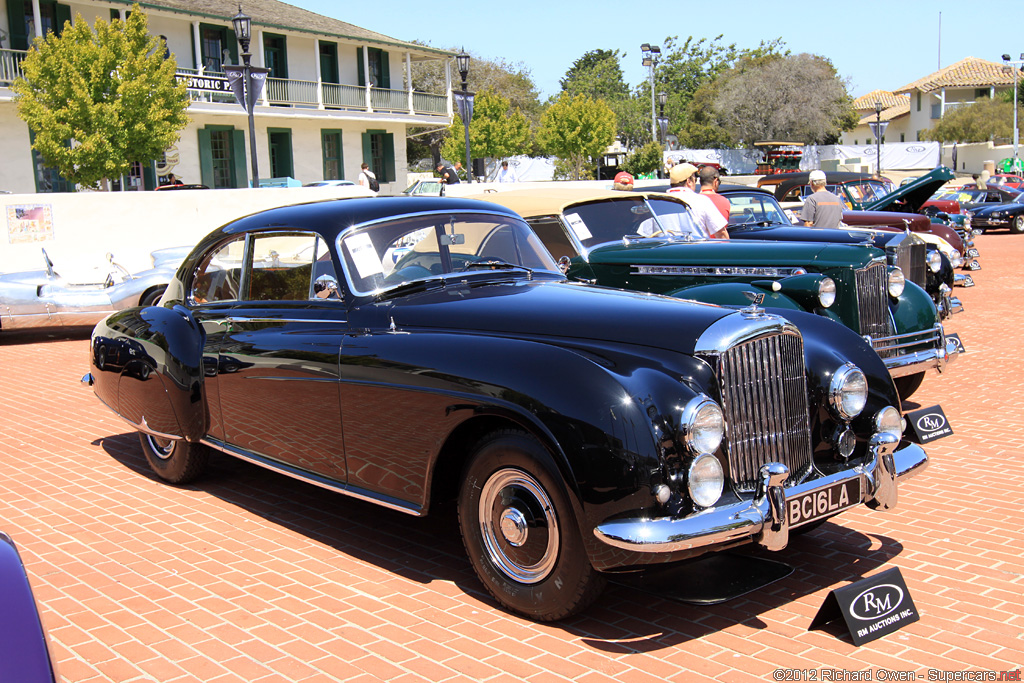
x: 325, y: 286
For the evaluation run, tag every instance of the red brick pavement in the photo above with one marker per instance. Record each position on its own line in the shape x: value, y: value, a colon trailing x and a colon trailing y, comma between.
x: 250, y: 576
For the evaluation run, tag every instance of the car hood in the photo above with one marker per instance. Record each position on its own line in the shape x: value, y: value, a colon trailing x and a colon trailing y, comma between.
x: 912, y: 196
x: 753, y: 253
x: 795, y: 233
x: 527, y: 309
x: 986, y: 209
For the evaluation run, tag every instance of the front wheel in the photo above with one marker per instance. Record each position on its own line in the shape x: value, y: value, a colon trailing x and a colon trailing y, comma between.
x: 908, y: 384
x: 520, y: 532
x: 174, y: 460
x: 1017, y: 227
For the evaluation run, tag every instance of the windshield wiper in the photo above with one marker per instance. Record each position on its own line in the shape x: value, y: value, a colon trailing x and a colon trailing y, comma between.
x: 412, y: 287
x: 495, y: 264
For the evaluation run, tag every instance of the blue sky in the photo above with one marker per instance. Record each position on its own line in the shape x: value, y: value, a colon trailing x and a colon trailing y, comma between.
x: 874, y: 44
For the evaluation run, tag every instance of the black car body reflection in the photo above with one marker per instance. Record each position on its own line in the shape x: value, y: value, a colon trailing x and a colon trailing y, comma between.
x: 406, y: 350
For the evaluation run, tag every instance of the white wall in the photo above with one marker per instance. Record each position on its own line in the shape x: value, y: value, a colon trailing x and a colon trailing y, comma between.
x: 87, y: 225
x: 16, y: 165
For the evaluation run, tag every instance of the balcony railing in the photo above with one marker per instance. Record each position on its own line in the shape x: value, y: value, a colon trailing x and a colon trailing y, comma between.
x: 938, y: 112
x: 10, y: 65
x: 318, y: 95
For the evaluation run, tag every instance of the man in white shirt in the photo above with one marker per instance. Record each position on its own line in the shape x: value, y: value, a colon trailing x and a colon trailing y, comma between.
x: 683, y: 179
x: 365, y: 174
x: 506, y: 174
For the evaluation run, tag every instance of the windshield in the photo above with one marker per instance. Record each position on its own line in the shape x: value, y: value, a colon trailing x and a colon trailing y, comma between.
x: 755, y: 208
x: 394, y: 253
x: 610, y: 220
x: 868, y: 190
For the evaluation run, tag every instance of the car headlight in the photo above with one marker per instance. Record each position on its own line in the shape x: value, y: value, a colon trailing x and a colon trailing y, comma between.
x: 827, y: 292
x: 896, y: 282
x: 955, y: 259
x: 705, y: 480
x: 848, y: 392
x: 934, y: 261
x: 703, y: 425
x: 889, y: 421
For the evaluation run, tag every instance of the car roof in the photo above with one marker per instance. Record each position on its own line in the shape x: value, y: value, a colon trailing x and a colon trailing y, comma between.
x: 333, y: 216
x: 792, y: 180
x: 547, y: 202
x: 723, y: 189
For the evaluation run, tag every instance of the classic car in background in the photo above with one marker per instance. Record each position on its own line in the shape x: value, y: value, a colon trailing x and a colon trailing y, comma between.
x: 756, y: 215
x: 646, y: 241
x: 856, y: 189
x: 1000, y: 216
x: 42, y: 298
x: 969, y: 197
x: 583, y: 430
x: 432, y: 187
x: 25, y: 653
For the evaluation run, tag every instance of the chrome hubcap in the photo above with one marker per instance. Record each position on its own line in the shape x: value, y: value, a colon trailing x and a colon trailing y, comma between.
x: 519, y: 526
x: 162, y: 448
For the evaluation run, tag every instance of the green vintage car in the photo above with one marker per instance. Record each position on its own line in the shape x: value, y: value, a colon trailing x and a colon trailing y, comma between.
x: 648, y: 242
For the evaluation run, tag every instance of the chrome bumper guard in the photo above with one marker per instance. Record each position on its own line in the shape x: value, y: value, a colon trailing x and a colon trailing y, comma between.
x: 941, y: 353
x: 764, y: 519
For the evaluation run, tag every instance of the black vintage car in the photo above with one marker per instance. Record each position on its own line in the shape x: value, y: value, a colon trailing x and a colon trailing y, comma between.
x: 1009, y: 216
x: 410, y: 350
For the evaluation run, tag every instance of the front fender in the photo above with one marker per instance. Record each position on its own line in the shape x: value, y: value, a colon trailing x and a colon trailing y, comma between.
x: 914, y: 310
x: 147, y: 367
x: 732, y: 294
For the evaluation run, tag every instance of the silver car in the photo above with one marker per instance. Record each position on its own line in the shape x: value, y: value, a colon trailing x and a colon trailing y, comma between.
x: 42, y: 298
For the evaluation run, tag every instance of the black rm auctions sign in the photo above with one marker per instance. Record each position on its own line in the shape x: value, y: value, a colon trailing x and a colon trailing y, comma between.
x: 871, y: 608
x: 927, y: 424
x: 207, y: 83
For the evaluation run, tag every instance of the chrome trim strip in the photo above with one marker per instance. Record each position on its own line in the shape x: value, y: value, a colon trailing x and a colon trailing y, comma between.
x: 712, y: 271
x: 751, y: 520
x: 294, y: 379
x: 243, y: 319
x: 316, y: 480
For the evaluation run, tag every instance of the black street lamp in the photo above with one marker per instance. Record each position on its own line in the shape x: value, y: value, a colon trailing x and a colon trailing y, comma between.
x: 878, y: 138
x: 662, y: 121
x: 464, y: 99
x: 651, y: 57
x: 243, y: 32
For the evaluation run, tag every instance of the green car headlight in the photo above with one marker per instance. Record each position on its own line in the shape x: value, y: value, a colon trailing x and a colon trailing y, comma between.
x: 848, y: 392
x: 896, y: 282
x: 826, y: 292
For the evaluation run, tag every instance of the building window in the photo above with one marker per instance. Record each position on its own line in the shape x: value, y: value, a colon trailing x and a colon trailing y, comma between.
x: 218, y: 46
x: 379, y: 153
x: 903, y: 137
x: 334, y: 167
x: 220, y: 149
x: 380, y: 70
x: 275, y: 55
x: 280, y: 146
x: 919, y: 100
x: 981, y: 92
x: 222, y: 156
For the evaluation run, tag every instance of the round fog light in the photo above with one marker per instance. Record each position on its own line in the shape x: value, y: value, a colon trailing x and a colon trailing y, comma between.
x: 934, y: 261
x: 889, y: 421
x: 705, y: 480
x: 843, y: 441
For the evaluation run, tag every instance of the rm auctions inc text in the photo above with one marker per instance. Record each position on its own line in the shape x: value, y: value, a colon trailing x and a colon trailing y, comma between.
x: 891, y: 675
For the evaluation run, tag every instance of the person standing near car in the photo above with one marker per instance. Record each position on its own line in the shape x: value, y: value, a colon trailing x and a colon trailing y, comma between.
x: 683, y: 180
x: 709, y: 181
x: 822, y: 209
x: 447, y: 173
x: 506, y: 174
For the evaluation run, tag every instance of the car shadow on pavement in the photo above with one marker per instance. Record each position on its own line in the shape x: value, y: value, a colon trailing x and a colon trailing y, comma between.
x: 41, y: 334
x: 625, y: 619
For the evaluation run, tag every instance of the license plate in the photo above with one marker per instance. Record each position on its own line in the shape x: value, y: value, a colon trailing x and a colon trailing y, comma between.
x: 814, y: 505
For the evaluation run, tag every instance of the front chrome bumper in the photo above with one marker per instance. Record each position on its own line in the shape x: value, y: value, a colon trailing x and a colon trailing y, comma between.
x: 942, y: 352
x: 765, y: 519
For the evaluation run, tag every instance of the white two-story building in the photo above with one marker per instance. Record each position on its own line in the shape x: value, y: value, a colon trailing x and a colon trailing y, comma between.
x: 336, y: 95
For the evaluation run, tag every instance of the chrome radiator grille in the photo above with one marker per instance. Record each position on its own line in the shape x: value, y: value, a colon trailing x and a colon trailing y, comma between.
x: 910, y: 257
x: 873, y: 303
x: 764, y: 393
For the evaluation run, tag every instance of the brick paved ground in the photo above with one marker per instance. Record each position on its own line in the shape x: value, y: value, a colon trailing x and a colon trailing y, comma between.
x: 249, y: 576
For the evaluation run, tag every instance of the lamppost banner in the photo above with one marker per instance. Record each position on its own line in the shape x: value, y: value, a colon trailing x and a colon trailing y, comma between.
x: 464, y: 103
x: 236, y: 80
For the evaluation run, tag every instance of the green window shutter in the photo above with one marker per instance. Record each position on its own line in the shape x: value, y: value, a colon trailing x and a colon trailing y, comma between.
x: 149, y: 176
x: 359, y: 67
x: 389, y: 158
x: 231, y: 42
x: 385, y: 71
x: 367, y: 149
x: 205, y: 157
x: 19, y: 30
x: 238, y: 155
x: 62, y: 15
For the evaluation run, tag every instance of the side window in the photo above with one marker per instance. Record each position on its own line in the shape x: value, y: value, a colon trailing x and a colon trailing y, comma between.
x: 219, y: 275
x: 282, y: 267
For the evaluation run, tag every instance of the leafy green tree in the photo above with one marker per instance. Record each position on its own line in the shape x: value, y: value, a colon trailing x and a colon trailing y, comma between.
x: 578, y: 129
x: 800, y: 98
x: 643, y: 160
x: 110, y: 91
x: 512, y: 81
x: 987, y: 119
x: 496, y: 130
x: 596, y: 74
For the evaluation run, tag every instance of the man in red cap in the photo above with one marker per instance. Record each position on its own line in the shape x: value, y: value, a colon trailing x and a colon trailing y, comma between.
x: 623, y: 181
